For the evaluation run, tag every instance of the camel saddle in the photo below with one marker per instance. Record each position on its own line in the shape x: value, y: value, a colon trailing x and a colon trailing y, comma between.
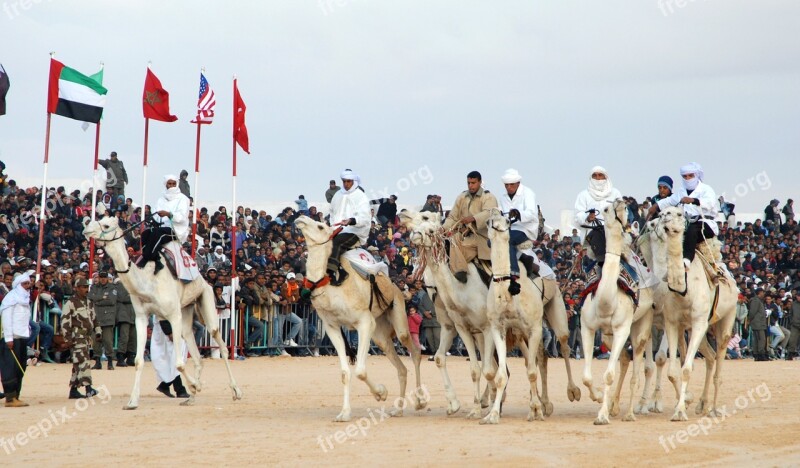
x: 365, y: 264
x: 627, y: 281
x: 179, y: 263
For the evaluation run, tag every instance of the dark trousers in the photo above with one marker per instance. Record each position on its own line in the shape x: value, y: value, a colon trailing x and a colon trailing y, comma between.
x: 341, y: 243
x: 127, y: 338
x: 153, y: 239
x: 12, y: 366
x: 759, y: 345
x: 693, y: 235
x: 106, y: 341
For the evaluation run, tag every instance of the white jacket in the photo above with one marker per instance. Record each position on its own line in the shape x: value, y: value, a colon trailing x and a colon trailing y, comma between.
x: 352, y: 205
x: 179, y: 207
x: 708, y: 209
x: 586, y: 202
x: 15, y: 321
x: 525, y: 202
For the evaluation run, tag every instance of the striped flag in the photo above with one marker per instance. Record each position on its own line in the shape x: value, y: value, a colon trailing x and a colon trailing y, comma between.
x: 205, y: 103
x: 74, y: 95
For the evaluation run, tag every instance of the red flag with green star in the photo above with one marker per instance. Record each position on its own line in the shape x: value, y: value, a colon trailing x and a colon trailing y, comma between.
x: 155, y: 100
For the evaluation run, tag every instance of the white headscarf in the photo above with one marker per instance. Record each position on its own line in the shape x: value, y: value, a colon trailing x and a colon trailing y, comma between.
x: 220, y: 255
x: 18, y: 295
x: 599, y: 189
x: 692, y: 168
x: 511, y: 176
x: 348, y: 174
x: 172, y: 192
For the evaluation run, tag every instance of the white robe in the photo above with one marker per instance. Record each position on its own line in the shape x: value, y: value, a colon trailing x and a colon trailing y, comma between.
x: 352, y: 205
x: 525, y: 202
x: 586, y: 202
x: 708, y: 209
x: 162, y: 354
x: 179, y: 207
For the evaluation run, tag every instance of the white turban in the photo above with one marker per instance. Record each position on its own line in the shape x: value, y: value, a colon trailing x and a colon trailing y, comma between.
x: 169, y: 177
x: 692, y: 168
x: 20, y: 279
x: 599, y: 189
x: 347, y: 174
x: 511, y: 176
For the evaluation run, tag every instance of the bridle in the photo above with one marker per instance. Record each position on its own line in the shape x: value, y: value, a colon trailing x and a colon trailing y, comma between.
x: 103, y: 232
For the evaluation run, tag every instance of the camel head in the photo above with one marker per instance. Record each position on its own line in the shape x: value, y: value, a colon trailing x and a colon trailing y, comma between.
x: 423, y: 227
x: 316, y: 233
x: 499, y: 226
x: 103, y: 230
x: 672, y: 222
x: 616, y: 215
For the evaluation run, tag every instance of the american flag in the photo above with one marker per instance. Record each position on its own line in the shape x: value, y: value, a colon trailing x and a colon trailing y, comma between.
x: 205, y: 103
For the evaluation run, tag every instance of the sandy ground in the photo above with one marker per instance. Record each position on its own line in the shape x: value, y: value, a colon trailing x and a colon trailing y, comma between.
x: 289, y: 403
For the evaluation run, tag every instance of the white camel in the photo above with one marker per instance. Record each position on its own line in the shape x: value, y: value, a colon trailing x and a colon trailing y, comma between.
x: 612, y: 310
x: 169, y: 299
x: 376, y: 312
x: 687, y: 298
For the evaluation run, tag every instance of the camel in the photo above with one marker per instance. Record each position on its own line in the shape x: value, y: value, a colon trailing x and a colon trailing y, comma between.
x: 612, y: 310
x: 686, y: 298
x: 523, y: 313
x: 356, y: 304
x: 169, y: 299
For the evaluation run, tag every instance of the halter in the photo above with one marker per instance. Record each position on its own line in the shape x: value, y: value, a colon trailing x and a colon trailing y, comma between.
x: 103, y: 232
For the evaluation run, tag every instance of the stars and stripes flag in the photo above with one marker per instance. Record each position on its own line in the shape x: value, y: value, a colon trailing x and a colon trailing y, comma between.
x: 205, y: 103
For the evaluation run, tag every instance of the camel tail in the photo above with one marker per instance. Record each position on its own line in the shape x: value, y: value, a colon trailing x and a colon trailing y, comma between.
x: 349, y: 351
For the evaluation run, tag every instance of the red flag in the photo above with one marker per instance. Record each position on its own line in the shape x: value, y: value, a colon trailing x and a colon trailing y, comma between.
x: 155, y: 100
x: 239, y: 128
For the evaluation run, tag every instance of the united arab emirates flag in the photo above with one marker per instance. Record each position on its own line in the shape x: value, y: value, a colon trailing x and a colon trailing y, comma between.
x: 74, y: 95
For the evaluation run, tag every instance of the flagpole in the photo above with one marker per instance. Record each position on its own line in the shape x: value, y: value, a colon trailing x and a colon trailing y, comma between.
x: 234, y: 276
x: 196, y: 182
x: 144, y: 163
x: 44, y: 196
x: 94, y: 195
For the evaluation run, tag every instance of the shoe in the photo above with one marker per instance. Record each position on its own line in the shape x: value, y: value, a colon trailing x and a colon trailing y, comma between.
x: 163, y: 387
x: 513, y: 287
x: 44, y: 356
x: 531, y: 267
x: 110, y: 364
x: 315, y: 353
x: 121, y: 360
x: 180, y: 390
x: 447, y: 354
x: 159, y: 266
x: 74, y: 394
x: 339, y: 277
x: 431, y: 358
x: 90, y: 392
x: 687, y: 264
x: 131, y: 361
x: 461, y: 276
x: 97, y: 365
x: 291, y: 343
x: 15, y: 403
x: 252, y: 354
x: 284, y: 353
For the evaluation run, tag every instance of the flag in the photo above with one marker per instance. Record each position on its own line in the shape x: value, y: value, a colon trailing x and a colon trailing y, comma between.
x: 4, y: 85
x: 98, y: 77
x: 239, y: 128
x: 74, y: 95
x: 155, y: 100
x: 205, y: 103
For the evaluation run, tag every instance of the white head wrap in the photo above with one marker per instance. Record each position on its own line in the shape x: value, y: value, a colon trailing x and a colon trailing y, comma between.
x: 169, y: 177
x: 599, y: 189
x: 172, y: 192
x: 18, y: 294
x: 348, y: 174
x: 692, y: 168
x: 511, y: 176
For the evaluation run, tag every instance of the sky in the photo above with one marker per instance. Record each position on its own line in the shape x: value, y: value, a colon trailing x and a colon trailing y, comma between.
x: 413, y: 95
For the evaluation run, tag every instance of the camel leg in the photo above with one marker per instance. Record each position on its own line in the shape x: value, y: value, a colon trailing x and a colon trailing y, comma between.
x: 699, y: 328
x: 649, y: 370
x: 640, y: 340
x: 498, y: 340
x: 188, y: 320
x: 335, y: 335
x: 624, y: 363
x: 709, y: 356
x: 541, y: 360
x: 366, y: 328
x: 537, y: 412
x: 688, y: 396
x: 141, y: 341
x: 399, y: 321
x: 556, y: 314
x: 474, y: 370
x: 209, y: 314
x: 621, y: 333
x: 587, y: 337
x: 177, y: 342
x: 489, y: 391
x: 447, y: 334
x: 383, y: 338
x: 657, y: 404
x: 723, y: 335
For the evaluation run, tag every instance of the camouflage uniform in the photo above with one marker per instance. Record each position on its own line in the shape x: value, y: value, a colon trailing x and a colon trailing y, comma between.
x: 104, y: 302
x: 78, y: 325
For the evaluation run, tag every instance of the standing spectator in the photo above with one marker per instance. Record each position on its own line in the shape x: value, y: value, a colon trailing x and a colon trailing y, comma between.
x: 302, y: 205
x: 757, y: 316
x: 77, y: 325
x: 183, y: 183
x: 16, y: 312
x: 290, y: 295
x: 117, y: 176
x: 249, y: 299
x: 794, y: 327
x: 772, y: 217
x: 126, y: 328
x: 788, y: 210
x: 104, y: 299
x: 414, y: 321
x: 433, y: 204
x: 332, y: 189
x: 430, y: 327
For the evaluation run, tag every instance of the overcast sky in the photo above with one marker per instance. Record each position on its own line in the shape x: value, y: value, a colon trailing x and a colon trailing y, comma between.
x: 413, y: 95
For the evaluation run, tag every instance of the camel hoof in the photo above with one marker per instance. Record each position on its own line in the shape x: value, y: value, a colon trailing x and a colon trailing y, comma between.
x: 381, y: 393
x: 419, y: 403
x: 679, y: 416
x: 396, y: 412
x: 614, y: 408
x: 237, y: 393
x: 189, y: 402
x: 716, y: 413
x: 656, y: 407
x: 130, y: 406
x: 601, y: 420
x: 342, y: 417
x: 689, y: 398
x: 641, y: 409
x: 474, y: 414
x: 574, y: 393
x: 535, y: 415
x: 492, y: 418
x: 453, y: 407
x: 629, y: 417
x: 597, y: 396
x: 548, y: 408
x: 485, y: 403
x: 700, y: 408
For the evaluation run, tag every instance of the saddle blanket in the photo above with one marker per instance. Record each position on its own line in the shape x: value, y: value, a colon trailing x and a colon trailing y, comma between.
x: 185, y: 266
x: 544, y: 269
x: 365, y: 264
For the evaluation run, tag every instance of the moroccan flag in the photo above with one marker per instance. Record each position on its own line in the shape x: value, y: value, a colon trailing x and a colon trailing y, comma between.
x: 239, y: 128
x: 155, y: 101
x: 74, y: 95
x: 4, y: 85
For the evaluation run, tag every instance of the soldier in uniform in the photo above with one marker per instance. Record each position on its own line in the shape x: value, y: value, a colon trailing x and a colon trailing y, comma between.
x: 126, y: 319
x: 77, y: 323
x: 757, y: 316
x: 104, y: 299
x: 469, y: 215
x: 118, y: 176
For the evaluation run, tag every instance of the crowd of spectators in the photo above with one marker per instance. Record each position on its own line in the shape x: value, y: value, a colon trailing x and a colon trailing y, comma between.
x: 271, y: 263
